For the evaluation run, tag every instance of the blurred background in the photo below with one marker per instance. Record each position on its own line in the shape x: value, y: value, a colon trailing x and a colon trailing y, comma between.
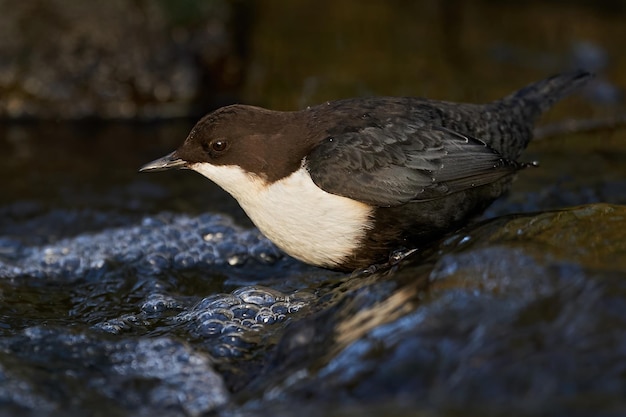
x: 89, y: 91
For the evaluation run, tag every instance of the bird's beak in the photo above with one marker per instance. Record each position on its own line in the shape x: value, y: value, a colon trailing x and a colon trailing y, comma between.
x: 170, y: 161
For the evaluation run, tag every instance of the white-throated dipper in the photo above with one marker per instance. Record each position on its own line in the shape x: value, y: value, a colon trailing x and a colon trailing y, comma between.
x: 343, y: 184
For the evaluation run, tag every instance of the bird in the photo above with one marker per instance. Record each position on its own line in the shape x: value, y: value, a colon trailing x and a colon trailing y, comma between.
x: 344, y: 184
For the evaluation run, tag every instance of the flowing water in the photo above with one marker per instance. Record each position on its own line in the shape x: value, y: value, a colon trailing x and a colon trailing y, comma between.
x: 133, y: 294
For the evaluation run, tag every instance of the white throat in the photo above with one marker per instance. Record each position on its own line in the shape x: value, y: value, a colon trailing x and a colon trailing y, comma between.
x: 300, y: 218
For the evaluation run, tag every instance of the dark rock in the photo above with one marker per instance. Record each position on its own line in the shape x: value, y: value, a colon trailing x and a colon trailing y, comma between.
x: 519, y: 316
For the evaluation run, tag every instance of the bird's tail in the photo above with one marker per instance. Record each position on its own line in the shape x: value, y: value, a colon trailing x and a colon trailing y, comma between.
x: 538, y: 97
x: 520, y: 110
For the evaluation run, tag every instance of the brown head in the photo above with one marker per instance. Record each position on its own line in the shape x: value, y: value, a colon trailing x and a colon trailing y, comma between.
x: 267, y: 143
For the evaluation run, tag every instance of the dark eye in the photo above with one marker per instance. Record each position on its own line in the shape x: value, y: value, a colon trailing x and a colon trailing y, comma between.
x: 219, y: 145
x: 215, y: 147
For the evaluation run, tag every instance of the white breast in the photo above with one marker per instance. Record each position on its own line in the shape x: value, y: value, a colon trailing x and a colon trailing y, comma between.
x: 300, y: 218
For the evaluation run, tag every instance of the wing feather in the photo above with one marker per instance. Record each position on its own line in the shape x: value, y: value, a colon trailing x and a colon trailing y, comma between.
x: 400, y: 163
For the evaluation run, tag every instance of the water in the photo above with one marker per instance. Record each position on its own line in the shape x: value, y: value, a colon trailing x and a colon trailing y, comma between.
x: 134, y: 294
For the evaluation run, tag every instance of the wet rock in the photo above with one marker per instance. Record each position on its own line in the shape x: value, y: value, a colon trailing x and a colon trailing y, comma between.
x: 117, y: 59
x: 521, y: 315
x: 79, y: 368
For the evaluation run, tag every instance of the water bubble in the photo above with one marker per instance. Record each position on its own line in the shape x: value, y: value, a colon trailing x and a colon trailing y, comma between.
x: 295, y: 307
x: 265, y: 316
x: 184, y: 260
x: 221, y: 314
x: 236, y: 260
x: 207, y: 258
x: 258, y: 295
x: 245, y: 311
x: 225, y: 350
x: 211, y: 327
x: 233, y: 327
x: 224, y: 301
x: 158, y: 303
x: 280, y: 308
x: 249, y: 323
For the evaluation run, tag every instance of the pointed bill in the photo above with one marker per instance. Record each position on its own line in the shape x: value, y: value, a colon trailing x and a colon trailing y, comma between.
x: 170, y: 161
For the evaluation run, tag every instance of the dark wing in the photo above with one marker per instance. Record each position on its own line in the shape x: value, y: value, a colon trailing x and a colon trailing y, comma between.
x: 389, y: 166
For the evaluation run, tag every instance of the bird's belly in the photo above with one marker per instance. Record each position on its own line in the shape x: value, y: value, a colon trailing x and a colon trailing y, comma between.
x: 303, y: 220
x: 308, y: 223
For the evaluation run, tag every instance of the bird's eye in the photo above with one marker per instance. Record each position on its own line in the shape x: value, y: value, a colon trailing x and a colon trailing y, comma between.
x: 219, y: 145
